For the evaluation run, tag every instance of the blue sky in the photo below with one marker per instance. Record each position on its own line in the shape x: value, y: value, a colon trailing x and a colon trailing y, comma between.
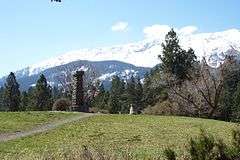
x: 34, y: 30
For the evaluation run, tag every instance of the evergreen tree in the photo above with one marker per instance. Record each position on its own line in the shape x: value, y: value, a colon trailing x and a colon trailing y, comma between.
x: 139, y: 95
x: 154, y: 90
x: 31, y: 99
x: 124, y: 99
x: 176, y: 60
x: 236, y: 104
x: 43, y: 97
x: 1, y: 99
x: 131, y: 95
x: 116, y: 94
x: 12, y: 94
x: 147, y: 98
x: 101, y: 100
x: 24, y: 101
x: 231, y: 81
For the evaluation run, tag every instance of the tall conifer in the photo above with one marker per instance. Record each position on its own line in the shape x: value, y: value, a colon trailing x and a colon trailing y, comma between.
x: 12, y: 94
x: 116, y: 93
x: 43, y: 97
x: 176, y: 60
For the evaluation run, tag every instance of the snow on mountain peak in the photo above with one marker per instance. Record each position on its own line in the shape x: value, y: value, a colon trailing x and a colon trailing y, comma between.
x: 213, y: 46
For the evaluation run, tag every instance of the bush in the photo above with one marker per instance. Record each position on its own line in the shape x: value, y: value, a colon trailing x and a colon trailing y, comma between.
x: 202, y: 147
x: 170, y: 154
x: 163, y: 108
x: 206, y: 147
x: 61, y: 104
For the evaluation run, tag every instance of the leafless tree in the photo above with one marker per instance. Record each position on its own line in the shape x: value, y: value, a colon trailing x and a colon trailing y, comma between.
x: 201, y: 93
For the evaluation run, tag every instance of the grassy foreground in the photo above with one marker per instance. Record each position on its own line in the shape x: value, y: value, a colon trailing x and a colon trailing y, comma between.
x: 142, y: 136
x: 20, y: 121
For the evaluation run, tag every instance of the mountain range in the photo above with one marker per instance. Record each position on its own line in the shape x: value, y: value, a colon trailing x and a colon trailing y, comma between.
x: 130, y: 59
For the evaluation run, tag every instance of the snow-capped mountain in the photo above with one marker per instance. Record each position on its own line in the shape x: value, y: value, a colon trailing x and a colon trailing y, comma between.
x: 131, y: 58
x: 59, y: 75
x: 145, y: 53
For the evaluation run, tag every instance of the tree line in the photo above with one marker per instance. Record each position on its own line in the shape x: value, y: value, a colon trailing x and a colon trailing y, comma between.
x: 179, y: 85
x: 38, y: 98
x: 122, y: 95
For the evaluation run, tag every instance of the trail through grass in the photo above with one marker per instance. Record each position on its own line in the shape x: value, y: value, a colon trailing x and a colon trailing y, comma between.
x: 142, y: 136
x: 21, y: 121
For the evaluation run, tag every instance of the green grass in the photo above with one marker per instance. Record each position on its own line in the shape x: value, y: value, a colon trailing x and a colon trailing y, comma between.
x: 142, y: 136
x: 20, y: 121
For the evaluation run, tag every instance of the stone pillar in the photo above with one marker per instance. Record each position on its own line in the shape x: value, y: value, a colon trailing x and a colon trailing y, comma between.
x: 78, y: 94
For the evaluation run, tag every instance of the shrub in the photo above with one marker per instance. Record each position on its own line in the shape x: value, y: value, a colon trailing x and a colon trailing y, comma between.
x: 170, y: 154
x: 236, y: 143
x: 61, y: 104
x: 202, y: 147
x: 205, y: 147
x: 163, y: 108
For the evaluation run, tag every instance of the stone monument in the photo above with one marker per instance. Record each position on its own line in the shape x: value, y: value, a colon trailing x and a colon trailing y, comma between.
x: 78, y: 103
x: 131, y: 111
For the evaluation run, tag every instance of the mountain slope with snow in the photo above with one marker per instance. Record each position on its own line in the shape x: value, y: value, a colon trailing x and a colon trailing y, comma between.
x: 132, y: 59
x: 213, y: 46
x: 103, y: 71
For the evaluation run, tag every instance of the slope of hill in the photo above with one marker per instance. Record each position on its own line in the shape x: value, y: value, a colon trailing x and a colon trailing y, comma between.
x: 142, y: 137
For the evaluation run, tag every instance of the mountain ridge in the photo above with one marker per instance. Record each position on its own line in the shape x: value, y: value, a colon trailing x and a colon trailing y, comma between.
x: 102, y: 70
x: 145, y: 53
x: 135, y: 57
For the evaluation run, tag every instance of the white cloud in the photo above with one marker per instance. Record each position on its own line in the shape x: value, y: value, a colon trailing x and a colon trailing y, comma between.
x: 120, y: 26
x: 159, y: 31
x: 156, y: 31
x: 188, y: 30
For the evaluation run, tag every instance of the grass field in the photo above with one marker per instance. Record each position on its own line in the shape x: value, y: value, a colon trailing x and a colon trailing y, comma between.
x: 142, y: 136
x: 20, y: 121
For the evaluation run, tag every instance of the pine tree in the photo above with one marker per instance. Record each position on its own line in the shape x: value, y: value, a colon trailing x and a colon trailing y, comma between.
x: 12, y: 94
x: 116, y: 94
x: 102, y: 97
x: 154, y: 89
x: 139, y: 95
x: 131, y: 95
x: 146, y: 89
x: 231, y: 81
x: 176, y: 60
x: 148, y: 92
x: 236, y: 104
x: 31, y: 99
x: 1, y: 99
x: 43, y: 97
x: 24, y: 101
x: 101, y: 100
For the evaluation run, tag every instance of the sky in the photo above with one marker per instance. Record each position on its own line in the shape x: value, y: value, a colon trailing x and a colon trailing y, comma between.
x: 35, y: 30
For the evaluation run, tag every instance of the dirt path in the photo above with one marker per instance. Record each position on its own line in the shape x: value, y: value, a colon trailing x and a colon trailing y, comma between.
x: 43, y: 128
